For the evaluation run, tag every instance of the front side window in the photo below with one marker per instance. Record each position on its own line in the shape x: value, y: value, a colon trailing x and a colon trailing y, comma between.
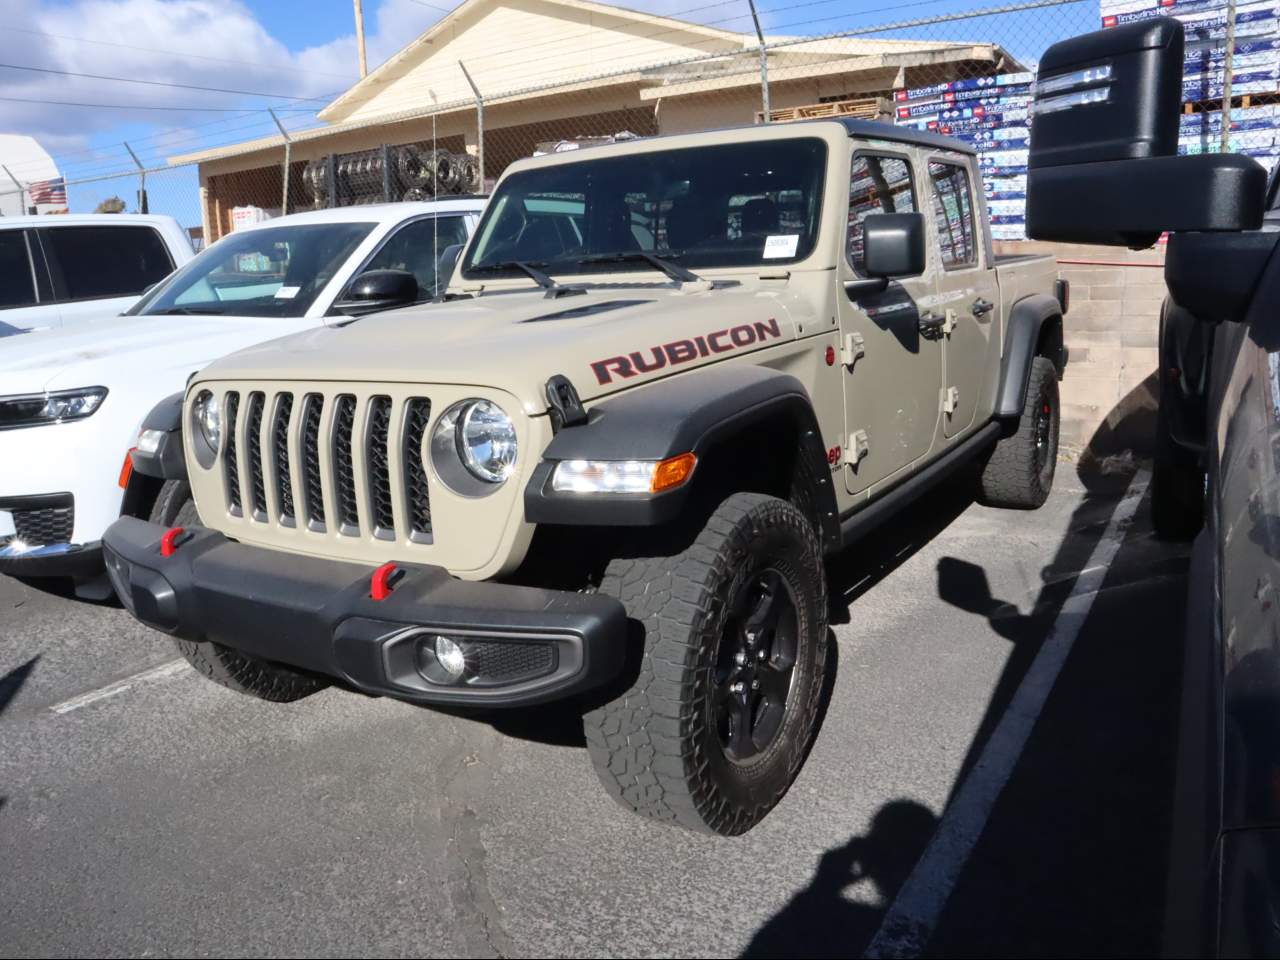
x: 953, y: 214
x: 267, y: 272
x: 93, y: 262
x: 17, y: 288
x: 416, y: 248
x: 729, y: 205
x: 877, y: 184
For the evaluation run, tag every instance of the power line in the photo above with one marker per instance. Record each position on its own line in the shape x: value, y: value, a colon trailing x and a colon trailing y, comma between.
x: 137, y: 106
x: 182, y: 56
x: 161, y: 83
x: 423, y: 3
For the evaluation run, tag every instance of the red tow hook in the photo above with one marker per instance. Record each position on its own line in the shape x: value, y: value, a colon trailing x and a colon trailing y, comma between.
x: 380, y: 585
x: 169, y: 542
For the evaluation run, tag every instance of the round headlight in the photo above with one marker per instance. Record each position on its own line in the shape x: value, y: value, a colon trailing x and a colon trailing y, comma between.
x: 208, y: 417
x: 486, y: 441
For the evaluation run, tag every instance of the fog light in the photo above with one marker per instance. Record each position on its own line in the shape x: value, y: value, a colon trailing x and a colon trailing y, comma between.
x: 449, y: 655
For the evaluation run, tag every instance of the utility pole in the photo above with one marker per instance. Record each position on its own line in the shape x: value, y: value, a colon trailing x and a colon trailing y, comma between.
x: 364, y: 65
x: 764, y: 63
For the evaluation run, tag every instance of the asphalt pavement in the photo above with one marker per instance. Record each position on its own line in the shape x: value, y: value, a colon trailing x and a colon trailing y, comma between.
x: 144, y: 810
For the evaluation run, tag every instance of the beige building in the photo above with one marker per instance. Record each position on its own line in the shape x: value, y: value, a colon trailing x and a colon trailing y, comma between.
x: 565, y: 69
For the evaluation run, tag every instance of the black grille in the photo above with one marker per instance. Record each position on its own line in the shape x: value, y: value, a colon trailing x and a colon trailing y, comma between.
x: 493, y: 663
x: 312, y: 407
x: 258, y: 487
x: 417, y: 415
x: 232, y: 466
x: 344, y: 419
x: 376, y: 462
x: 280, y: 455
x: 45, y: 526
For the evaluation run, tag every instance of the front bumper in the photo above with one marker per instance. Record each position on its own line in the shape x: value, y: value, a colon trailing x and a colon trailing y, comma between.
x: 523, y: 645
x: 41, y: 544
x: 51, y: 560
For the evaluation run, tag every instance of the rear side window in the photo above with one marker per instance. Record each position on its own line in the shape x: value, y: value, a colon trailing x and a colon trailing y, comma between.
x: 876, y: 185
x: 16, y: 286
x: 105, y: 261
x: 953, y: 214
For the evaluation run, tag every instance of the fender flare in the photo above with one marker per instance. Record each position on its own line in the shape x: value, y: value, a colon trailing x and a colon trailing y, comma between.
x: 1027, y: 320
x: 168, y: 462
x: 674, y: 416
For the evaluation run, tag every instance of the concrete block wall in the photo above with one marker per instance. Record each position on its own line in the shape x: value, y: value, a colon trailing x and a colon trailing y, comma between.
x: 1109, y: 394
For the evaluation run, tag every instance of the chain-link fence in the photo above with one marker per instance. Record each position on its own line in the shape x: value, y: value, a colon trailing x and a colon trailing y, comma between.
x: 452, y: 127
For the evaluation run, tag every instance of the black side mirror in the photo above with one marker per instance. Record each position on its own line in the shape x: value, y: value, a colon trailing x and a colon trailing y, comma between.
x: 893, y: 245
x: 1103, y: 166
x: 445, y: 264
x: 378, y: 290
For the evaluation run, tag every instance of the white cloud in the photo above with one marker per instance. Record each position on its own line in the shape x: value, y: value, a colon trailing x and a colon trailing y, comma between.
x: 197, y: 37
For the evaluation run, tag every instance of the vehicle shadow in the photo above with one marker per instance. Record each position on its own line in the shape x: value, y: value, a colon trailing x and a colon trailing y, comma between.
x: 979, y: 921
x: 820, y: 921
x: 10, y: 684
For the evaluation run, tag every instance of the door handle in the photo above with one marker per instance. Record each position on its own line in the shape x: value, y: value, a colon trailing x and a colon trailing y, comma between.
x: 931, y: 324
x: 981, y: 306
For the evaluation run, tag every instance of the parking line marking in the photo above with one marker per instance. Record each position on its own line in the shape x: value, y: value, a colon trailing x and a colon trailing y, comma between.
x: 909, y: 922
x: 162, y: 672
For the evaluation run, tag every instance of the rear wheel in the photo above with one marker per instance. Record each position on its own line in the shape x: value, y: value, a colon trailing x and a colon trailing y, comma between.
x: 721, y: 715
x: 175, y: 507
x: 1019, y: 472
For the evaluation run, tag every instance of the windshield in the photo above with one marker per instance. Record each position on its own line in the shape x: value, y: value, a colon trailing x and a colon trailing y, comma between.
x: 731, y: 205
x: 270, y: 272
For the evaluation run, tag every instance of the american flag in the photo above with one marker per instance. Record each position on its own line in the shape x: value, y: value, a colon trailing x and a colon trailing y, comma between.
x: 49, y: 191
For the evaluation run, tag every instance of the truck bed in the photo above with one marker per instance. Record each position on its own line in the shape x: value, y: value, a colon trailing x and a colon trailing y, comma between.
x: 1022, y: 275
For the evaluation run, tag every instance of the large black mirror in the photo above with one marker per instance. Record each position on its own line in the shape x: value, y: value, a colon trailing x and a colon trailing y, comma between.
x: 1104, y: 134
x: 893, y: 245
x: 378, y: 290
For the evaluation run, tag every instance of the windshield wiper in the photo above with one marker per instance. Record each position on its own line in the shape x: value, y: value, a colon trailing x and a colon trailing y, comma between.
x: 189, y: 311
x: 553, y: 289
x: 673, y: 270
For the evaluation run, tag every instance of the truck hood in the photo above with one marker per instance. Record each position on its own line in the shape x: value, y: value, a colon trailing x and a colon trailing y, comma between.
x: 603, y: 340
x: 101, y: 353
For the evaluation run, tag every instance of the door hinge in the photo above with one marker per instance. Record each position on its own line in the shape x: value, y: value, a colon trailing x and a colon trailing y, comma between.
x: 856, y: 448
x: 949, y: 323
x: 851, y: 348
x: 950, y: 400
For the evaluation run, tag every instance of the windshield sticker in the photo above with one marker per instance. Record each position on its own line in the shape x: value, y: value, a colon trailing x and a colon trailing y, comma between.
x: 287, y: 293
x: 781, y: 246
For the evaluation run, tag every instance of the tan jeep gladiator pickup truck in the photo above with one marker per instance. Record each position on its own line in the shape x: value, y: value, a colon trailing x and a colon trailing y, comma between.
x: 669, y: 377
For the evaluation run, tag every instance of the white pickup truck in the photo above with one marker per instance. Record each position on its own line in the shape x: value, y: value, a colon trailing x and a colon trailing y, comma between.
x: 72, y: 400
x: 65, y: 270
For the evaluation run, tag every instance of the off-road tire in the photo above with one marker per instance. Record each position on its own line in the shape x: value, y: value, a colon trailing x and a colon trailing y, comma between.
x: 1177, y: 490
x: 174, y: 507
x: 658, y: 747
x: 1019, y: 472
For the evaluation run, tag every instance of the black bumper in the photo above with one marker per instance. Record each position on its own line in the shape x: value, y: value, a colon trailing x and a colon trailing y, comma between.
x: 523, y: 645
x: 59, y: 560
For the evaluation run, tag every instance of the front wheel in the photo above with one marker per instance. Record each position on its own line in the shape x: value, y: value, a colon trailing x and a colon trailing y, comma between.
x: 721, y: 716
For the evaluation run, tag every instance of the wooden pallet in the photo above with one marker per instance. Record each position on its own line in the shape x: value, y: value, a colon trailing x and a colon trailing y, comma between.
x: 1241, y: 100
x: 866, y: 109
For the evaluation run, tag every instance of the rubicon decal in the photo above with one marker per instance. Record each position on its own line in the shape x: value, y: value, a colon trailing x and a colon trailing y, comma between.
x: 682, y: 351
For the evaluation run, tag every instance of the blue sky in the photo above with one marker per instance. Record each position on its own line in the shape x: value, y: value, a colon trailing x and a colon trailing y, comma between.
x: 269, y: 50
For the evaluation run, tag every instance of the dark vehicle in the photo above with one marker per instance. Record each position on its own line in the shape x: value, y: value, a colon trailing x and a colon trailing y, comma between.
x: 1106, y: 130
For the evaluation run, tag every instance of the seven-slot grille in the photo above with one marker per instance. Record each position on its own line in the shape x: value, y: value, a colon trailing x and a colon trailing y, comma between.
x: 336, y: 447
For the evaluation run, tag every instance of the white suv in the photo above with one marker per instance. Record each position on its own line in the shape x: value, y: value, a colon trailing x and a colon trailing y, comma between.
x: 72, y: 401
x: 61, y: 270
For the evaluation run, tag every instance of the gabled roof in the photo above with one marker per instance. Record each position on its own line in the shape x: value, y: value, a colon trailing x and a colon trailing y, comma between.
x: 421, y: 48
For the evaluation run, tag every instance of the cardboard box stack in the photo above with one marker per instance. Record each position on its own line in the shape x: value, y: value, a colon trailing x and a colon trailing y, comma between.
x: 992, y: 114
x: 1255, y: 70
